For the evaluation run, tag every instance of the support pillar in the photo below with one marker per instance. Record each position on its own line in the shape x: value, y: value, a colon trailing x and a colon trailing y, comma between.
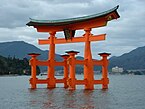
x: 65, y: 68
x: 72, y: 78
x: 32, y: 62
x: 105, y: 78
x: 51, y: 71
x: 88, y: 69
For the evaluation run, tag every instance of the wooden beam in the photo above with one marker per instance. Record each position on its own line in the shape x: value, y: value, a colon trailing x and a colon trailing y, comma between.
x: 98, y: 62
x: 81, y: 82
x: 59, y: 80
x: 98, y: 82
x: 43, y: 41
x: 73, y: 40
x: 83, y: 62
x: 42, y: 81
x: 59, y: 63
x: 92, y: 23
x: 97, y: 37
x: 42, y: 63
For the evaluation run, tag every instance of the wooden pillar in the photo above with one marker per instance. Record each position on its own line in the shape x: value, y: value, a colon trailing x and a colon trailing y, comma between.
x: 88, y: 69
x: 105, y: 78
x: 72, y: 78
x: 32, y: 62
x: 65, y: 68
x: 51, y: 70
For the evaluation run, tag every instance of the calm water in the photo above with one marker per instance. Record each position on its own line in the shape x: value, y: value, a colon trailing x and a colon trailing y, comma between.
x: 125, y: 92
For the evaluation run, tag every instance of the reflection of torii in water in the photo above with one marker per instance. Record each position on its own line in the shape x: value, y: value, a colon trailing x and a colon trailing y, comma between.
x: 69, y: 26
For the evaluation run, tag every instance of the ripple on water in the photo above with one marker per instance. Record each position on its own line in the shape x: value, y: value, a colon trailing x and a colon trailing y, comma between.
x: 125, y: 92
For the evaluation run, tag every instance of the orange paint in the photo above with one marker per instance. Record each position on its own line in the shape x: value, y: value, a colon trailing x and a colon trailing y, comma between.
x: 51, y: 83
x: 72, y: 78
x: 73, y: 40
x: 69, y: 61
x: 66, y: 73
x: 88, y: 68
x: 105, y: 70
x: 33, y: 78
x: 75, y: 26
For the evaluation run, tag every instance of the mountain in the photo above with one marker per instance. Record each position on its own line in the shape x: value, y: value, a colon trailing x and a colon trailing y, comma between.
x: 132, y: 60
x: 15, y: 66
x: 20, y: 49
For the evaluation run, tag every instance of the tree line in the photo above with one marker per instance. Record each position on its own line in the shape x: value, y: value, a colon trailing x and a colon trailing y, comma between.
x: 15, y: 66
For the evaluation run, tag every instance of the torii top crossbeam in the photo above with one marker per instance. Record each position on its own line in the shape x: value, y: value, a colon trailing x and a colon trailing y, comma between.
x: 91, y: 21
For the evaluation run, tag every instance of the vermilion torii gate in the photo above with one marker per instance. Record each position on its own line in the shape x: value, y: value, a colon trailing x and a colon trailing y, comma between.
x: 69, y: 26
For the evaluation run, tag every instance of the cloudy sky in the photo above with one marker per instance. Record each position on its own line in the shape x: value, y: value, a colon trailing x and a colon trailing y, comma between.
x: 123, y: 34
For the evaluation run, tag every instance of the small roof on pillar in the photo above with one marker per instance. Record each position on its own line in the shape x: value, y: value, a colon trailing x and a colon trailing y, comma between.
x: 75, y: 23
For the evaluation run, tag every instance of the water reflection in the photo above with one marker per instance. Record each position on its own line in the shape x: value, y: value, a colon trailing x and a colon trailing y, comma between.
x: 60, y: 98
x: 125, y: 92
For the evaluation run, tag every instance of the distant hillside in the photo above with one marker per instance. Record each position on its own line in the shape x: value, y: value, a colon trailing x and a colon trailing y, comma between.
x: 15, y: 66
x: 132, y: 60
x: 20, y: 49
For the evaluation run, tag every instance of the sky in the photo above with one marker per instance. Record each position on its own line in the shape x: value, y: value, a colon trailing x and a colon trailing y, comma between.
x: 123, y: 34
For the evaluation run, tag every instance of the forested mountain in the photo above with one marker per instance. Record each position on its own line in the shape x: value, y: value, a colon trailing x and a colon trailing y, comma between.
x: 132, y: 60
x: 15, y: 66
x: 19, y: 49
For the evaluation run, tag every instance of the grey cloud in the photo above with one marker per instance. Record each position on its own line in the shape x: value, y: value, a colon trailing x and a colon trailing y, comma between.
x: 16, y: 13
x: 123, y: 34
x: 66, y: 1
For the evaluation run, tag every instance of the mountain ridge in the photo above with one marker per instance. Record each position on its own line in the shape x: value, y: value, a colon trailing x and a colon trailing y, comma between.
x: 15, y: 48
x: 134, y: 59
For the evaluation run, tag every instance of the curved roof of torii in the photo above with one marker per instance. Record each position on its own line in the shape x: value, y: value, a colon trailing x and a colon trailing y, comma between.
x: 63, y: 23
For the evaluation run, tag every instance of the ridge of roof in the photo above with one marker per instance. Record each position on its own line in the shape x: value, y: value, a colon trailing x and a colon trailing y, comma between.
x: 70, y: 20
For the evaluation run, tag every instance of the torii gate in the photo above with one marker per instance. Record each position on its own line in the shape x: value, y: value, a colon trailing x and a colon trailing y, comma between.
x: 69, y: 26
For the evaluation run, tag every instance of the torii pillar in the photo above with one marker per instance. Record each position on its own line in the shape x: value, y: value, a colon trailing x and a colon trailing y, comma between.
x: 88, y: 69
x: 65, y: 68
x: 51, y: 71
x: 72, y: 78
x: 33, y: 78
x: 105, y: 78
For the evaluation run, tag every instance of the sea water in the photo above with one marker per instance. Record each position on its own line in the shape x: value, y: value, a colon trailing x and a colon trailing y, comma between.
x: 125, y: 92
